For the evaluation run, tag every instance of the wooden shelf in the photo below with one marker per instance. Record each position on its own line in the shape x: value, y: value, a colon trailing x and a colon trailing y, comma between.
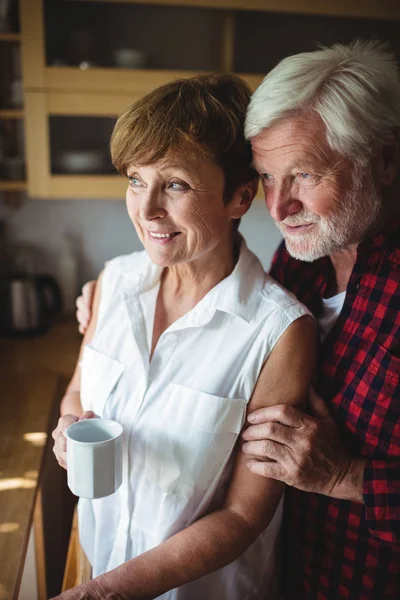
x: 10, y: 37
x: 11, y: 113
x: 12, y: 186
x: 106, y: 187
x: 379, y: 9
x: 134, y: 82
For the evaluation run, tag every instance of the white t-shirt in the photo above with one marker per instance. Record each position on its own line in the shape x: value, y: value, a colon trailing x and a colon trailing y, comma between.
x: 182, y: 414
x: 332, y: 309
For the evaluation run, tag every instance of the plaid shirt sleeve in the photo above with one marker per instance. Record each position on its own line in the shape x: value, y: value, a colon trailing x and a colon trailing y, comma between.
x: 381, y: 485
x: 381, y: 491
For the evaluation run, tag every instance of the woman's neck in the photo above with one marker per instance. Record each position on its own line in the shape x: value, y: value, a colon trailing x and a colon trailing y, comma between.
x: 184, y: 285
x: 194, y: 279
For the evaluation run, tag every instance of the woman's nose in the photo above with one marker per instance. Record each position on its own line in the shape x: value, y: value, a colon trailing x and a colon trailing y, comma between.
x: 152, y: 206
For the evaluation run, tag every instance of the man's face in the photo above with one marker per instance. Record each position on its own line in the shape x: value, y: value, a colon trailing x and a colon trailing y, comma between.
x: 320, y: 202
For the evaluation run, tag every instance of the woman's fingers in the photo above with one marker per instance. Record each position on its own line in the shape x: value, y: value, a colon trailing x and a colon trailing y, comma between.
x: 88, y: 414
x: 60, y: 441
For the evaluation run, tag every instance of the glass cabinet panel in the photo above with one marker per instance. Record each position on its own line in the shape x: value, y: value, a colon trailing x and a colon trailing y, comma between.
x: 80, y: 145
x: 262, y: 39
x: 131, y: 36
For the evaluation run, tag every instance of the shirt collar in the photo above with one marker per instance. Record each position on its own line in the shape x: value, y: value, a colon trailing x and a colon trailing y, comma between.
x: 237, y: 294
x: 386, y: 240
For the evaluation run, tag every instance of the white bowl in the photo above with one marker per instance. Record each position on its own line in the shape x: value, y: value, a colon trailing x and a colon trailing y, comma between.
x: 81, y: 161
x: 129, y: 58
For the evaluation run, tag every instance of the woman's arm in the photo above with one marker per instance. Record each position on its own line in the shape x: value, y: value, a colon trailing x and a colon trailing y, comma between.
x: 219, y: 538
x: 71, y: 402
x: 71, y: 407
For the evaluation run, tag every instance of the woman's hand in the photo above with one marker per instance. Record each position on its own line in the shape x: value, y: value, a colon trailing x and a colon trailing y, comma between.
x: 60, y: 441
x: 84, y: 306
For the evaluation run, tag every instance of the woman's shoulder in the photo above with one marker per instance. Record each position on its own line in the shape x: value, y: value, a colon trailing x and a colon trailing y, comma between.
x: 126, y: 263
x: 274, y: 297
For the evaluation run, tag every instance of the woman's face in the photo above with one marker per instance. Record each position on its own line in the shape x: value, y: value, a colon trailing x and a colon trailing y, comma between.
x: 177, y: 208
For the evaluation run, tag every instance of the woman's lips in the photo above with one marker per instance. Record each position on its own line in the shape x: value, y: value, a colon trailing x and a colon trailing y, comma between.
x: 162, y: 239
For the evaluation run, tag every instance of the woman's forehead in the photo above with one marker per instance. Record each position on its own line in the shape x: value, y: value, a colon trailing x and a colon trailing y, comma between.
x: 191, y: 160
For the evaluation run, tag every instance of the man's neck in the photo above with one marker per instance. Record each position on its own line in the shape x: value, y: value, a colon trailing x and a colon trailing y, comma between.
x: 343, y: 263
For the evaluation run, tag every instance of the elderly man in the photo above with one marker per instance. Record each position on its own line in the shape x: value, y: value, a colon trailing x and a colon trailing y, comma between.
x: 324, y: 128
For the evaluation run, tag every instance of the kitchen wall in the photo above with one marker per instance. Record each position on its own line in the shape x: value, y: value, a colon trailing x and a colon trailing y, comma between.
x: 102, y: 229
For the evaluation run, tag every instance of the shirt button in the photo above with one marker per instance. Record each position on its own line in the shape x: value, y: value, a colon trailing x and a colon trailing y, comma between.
x: 357, y: 287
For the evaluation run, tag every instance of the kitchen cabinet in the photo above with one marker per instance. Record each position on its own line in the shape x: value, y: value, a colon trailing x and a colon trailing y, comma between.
x: 12, y: 162
x: 85, y: 61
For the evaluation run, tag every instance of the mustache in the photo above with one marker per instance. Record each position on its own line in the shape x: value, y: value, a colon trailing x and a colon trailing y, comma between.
x: 300, y: 218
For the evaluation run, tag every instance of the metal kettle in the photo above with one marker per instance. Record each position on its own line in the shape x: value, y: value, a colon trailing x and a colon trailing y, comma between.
x: 28, y: 304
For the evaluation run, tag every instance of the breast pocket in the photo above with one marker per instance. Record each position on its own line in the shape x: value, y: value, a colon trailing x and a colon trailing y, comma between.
x: 99, y: 376
x: 195, y: 437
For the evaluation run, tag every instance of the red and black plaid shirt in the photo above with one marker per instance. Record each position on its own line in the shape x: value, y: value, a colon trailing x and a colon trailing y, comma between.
x: 337, y: 549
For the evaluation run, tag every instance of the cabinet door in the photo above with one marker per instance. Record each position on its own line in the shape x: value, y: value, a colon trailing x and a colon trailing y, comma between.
x: 67, y: 139
x: 263, y: 39
x: 119, y: 46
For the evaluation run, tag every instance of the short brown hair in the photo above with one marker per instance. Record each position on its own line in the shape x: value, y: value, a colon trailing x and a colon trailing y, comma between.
x: 205, y: 113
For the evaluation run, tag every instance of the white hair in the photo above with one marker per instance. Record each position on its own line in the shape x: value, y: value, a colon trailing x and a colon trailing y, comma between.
x: 355, y: 89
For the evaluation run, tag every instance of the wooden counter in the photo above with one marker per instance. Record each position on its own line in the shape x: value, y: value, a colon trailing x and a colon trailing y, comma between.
x: 33, y: 376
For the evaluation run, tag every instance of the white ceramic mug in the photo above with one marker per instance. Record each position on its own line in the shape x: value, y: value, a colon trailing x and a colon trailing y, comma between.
x: 94, y: 457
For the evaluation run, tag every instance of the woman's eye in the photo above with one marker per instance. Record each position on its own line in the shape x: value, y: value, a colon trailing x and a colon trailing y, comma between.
x: 134, y: 182
x: 177, y: 186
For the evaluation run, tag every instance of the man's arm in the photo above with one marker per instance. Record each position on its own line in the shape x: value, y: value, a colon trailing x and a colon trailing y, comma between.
x: 222, y: 536
x: 308, y: 454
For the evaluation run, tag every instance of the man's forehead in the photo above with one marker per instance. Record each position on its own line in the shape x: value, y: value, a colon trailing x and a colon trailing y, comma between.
x: 291, y: 131
x: 298, y: 138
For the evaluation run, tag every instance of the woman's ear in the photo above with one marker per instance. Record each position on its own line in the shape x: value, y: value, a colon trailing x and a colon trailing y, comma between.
x: 243, y: 198
x: 389, y: 162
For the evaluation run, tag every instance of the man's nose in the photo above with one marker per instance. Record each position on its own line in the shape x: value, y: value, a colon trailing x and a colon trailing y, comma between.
x: 281, y: 202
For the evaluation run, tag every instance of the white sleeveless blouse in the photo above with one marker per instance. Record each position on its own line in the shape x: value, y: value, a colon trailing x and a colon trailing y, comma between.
x: 182, y: 414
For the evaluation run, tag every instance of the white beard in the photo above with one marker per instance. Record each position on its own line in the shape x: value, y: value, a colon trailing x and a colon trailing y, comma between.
x: 347, y: 225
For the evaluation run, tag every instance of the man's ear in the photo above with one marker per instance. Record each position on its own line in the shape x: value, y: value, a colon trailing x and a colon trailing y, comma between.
x: 243, y: 198
x: 389, y: 162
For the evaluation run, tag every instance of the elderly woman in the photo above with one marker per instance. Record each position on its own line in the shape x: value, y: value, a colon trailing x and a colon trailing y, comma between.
x: 187, y: 338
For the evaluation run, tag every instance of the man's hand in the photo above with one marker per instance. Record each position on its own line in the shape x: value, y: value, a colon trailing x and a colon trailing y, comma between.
x: 303, y: 451
x: 84, y: 306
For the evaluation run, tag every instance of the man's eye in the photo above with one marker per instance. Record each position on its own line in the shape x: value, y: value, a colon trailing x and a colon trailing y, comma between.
x: 266, y: 176
x: 304, y: 175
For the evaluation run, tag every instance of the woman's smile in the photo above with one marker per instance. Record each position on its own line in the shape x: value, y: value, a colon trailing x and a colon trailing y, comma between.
x: 162, y: 238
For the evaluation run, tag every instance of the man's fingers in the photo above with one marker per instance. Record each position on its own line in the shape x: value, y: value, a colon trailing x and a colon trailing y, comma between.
x: 317, y: 405
x: 83, y: 315
x: 88, y: 292
x: 265, y: 449
x: 266, y: 469
x: 271, y: 431
x: 282, y: 413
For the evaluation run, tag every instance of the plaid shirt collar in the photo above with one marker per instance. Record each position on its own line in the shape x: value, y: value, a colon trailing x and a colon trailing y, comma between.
x: 320, y: 273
